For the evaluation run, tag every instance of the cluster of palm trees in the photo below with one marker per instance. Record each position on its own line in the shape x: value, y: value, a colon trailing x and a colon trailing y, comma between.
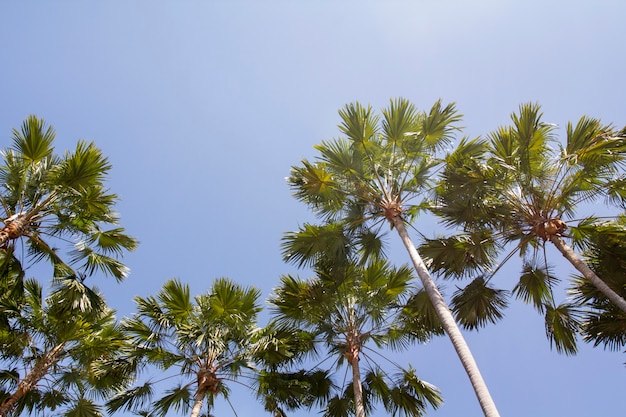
x: 63, y: 351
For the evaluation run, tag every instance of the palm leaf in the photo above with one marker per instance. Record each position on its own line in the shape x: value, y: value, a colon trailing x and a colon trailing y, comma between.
x: 84, y: 407
x: 419, y: 317
x: 34, y: 140
x: 177, y: 398
x: 535, y: 285
x: 338, y: 407
x: 478, y: 304
x: 607, y: 328
x: 84, y: 167
x: 461, y: 255
x: 439, y: 124
x: 562, y: 325
x: 131, y: 399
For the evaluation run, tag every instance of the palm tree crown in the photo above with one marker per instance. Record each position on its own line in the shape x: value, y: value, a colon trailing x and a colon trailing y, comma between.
x: 346, y: 308
x: 207, y: 339
x: 381, y: 167
x: 50, y: 200
x: 57, y: 351
x: 522, y: 185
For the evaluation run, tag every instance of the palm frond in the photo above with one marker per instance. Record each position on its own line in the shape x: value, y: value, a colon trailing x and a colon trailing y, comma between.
x: 131, y: 399
x: 439, y: 123
x: 178, y: 398
x: 478, y: 304
x: 419, y: 317
x: 34, y: 140
x: 461, y: 255
x: 82, y: 168
x: 535, y: 285
x: 84, y: 407
x: 607, y: 328
x: 562, y: 326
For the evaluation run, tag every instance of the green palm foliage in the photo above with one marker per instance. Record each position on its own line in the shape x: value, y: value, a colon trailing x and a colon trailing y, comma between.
x: 602, y: 322
x: 520, y: 187
x: 345, y: 313
x: 56, y: 351
x: 380, y: 167
x: 58, y: 205
x: 205, y: 340
x: 380, y: 172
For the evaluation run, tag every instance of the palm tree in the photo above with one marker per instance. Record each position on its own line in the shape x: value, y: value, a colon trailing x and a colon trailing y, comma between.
x: 205, y: 339
x: 522, y: 186
x: 345, y: 308
x: 52, y: 201
x: 376, y: 174
x: 55, y: 350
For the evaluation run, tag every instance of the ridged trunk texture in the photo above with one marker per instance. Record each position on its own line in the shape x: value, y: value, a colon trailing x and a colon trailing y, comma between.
x: 353, y: 346
x: 449, y: 324
x: 31, y: 380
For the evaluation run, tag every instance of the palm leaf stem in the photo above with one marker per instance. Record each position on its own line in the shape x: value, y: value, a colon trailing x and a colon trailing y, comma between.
x: 232, y: 407
x: 394, y: 363
x: 545, y: 264
x: 517, y: 248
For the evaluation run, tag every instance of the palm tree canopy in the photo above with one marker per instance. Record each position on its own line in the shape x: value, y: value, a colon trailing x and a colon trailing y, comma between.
x: 522, y: 182
x: 521, y: 185
x: 379, y: 166
x: 58, y: 348
x: 51, y: 201
x: 603, y: 323
x: 207, y: 339
x: 344, y: 309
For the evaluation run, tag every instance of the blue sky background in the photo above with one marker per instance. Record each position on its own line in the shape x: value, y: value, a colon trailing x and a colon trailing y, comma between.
x: 203, y: 106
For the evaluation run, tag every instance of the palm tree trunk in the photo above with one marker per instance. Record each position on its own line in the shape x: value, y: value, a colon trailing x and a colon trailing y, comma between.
x: 591, y: 276
x: 31, y: 380
x: 449, y: 324
x: 197, y: 405
x: 203, y: 380
x: 357, y: 386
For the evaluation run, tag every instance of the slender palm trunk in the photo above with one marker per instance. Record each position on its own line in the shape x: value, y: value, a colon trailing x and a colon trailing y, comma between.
x: 197, y: 404
x: 31, y: 380
x: 203, y: 381
x: 358, y: 389
x: 449, y: 324
x: 591, y: 276
x: 353, y: 346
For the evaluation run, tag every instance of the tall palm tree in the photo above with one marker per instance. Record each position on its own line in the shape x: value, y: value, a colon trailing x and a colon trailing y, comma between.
x: 521, y: 185
x: 58, y: 207
x: 376, y: 174
x: 205, y: 340
x: 53, y: 350
x: 346, y: 310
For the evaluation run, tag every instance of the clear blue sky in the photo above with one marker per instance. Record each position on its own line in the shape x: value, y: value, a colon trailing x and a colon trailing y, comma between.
x: 203, y: 106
